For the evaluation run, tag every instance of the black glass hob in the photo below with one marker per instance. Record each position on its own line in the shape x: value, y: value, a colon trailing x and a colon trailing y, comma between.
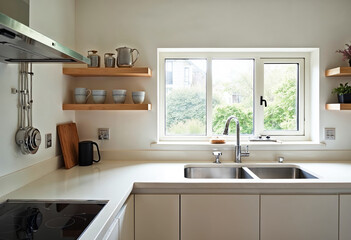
x: 39, y: 220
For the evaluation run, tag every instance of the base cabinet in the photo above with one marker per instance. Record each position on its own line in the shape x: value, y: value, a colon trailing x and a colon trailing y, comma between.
x: 126, y: 220
x: 225, y: 217
x: 345, y: 217
x: 122, y: 227
x: 230, y: 216
x: 156, y: 217
x: 303, y: 217
x: 113, y: 231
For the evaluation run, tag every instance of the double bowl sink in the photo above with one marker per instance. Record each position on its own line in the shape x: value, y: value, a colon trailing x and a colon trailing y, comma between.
x: 250, y: 171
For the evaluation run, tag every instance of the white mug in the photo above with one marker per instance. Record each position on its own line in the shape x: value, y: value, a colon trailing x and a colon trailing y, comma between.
x: 99, y: 96
x: 81, y: 95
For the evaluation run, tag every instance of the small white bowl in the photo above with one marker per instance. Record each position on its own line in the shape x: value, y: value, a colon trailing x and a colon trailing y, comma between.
x: 99, y: 99
x: 119, y: 91
x: 138, y: 97
x: 119, y: 98
x: 98, y: 92
x: 138, y: 93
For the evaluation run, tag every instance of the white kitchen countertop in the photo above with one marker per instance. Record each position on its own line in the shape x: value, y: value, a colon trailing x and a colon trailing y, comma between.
x: 115, y: 180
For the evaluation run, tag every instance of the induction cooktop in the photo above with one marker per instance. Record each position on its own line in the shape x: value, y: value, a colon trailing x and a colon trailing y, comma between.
x: 53, y: 220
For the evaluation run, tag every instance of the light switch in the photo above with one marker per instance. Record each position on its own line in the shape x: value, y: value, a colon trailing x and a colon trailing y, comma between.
x: 48, y: 140
x: 329, y: 133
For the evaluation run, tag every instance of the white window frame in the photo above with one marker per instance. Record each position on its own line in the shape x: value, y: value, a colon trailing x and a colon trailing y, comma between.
x: 259, y: 91
x: 260, y: 56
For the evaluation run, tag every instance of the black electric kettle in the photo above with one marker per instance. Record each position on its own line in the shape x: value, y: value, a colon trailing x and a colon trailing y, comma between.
x: 86, y: 153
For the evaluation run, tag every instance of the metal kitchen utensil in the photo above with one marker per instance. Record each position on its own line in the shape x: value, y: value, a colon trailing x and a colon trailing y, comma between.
x: 125, y: 57
x: 94, y: 59
x: 109, y: 60
x: 27, y: 137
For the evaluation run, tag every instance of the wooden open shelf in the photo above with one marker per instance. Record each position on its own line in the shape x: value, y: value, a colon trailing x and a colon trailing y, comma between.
x: 338, y: 72
x: 338, y: 106
x: 106, y: 107
x: 108, y: 72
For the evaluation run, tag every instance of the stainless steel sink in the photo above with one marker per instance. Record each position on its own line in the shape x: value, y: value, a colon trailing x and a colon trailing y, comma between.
x: 281, y: 173
x: 216, y: 172
x: 248, y: 171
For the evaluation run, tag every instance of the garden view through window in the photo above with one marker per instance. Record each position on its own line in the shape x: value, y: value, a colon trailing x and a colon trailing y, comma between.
x: 280, y: 90
x: 200, y: 93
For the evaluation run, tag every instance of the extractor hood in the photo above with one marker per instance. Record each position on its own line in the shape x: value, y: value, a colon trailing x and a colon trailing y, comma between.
x: 19, y: 43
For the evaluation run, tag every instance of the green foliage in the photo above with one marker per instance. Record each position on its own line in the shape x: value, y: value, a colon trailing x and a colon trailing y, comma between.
x: 281, y: 113
x: 222, y: 113
x: 186, y: 111
x: 185, y: 104
x: 342, y: 89
x: 189, y: 127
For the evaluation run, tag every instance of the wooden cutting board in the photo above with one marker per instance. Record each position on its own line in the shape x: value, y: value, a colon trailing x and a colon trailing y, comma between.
x: 69, y: 140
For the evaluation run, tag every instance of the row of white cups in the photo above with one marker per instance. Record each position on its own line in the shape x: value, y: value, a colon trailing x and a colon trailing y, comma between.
x: 99, y: 96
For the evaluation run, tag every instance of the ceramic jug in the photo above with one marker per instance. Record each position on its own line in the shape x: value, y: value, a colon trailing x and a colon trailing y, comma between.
x: 94, y: 59
x: 125, y: 57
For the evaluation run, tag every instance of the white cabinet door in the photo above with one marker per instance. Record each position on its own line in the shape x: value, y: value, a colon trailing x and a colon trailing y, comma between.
x: 222, y: 217
x: 126, y: 220
x: 113, y: 231
x: 302, y: 217
x: 156, y: 217
x: 345, y: 217
x: 122, y: 227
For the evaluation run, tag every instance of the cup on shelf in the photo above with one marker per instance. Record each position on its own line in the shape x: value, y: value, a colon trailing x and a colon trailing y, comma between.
x: 81, y: 95
x: 99, y: 96
x: 119, y: 95
x: 138, y: 97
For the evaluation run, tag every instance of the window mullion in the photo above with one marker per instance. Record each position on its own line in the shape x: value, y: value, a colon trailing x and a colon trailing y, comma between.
x: 209, y: 97
x: 259, y: 91
x: 161, y: 113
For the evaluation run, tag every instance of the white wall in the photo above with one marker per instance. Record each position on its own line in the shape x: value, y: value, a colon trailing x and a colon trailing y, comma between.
x: 55, y: 19
x: 147, y: 25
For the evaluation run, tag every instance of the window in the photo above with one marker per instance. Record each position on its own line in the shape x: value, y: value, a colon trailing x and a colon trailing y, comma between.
x: 185, y: 98
x: 199, y: 90
x: 283, y: 91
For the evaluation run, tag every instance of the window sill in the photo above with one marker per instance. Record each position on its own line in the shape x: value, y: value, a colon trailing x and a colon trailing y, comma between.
x: 255, y: 146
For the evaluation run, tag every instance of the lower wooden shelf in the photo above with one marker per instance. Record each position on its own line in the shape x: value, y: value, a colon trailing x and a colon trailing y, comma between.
x: 338, y: 106
x: 146, y: 107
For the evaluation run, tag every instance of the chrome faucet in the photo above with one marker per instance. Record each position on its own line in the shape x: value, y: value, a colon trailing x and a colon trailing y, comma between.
x: 217, y: 155
x: 238, y: 153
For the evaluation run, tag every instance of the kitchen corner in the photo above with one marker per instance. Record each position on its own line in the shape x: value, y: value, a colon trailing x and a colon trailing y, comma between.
x: 116, y: 180
x: 152, y: 83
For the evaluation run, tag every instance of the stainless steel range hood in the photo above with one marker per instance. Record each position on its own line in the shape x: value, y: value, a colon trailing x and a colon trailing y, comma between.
x: 19, y: 43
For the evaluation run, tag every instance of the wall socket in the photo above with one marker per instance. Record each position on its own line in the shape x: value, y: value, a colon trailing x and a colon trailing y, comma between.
x: 48, y: 140
x: 104, y: 133
x: 329, y: 133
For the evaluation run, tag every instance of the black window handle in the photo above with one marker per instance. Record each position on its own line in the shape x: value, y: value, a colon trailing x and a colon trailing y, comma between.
x: 263, y: 100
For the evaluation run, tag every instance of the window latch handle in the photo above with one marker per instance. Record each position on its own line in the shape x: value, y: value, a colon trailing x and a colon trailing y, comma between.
x: 263, y: 100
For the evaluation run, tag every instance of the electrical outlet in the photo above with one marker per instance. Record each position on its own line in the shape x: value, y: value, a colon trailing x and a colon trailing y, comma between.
x: 48, y: 140
x: 103, y: 133
x: 329, y: 133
